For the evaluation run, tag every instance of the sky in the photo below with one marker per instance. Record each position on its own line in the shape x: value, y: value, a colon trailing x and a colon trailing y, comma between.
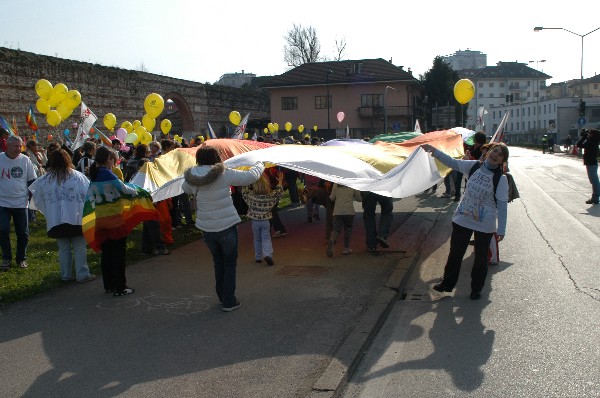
x: 202, y: 40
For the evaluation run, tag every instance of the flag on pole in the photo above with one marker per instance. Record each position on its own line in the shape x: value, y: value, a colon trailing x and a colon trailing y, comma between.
x: 480, y: 122
x: 88, y: 118
x: 30, y: 119
x: 4, y: 124
x: 417, y: 127
x: 14, y: 125
x: 347, y: 132
x: 497, y: 137
x: 238, y: 134
x: 211, y: 132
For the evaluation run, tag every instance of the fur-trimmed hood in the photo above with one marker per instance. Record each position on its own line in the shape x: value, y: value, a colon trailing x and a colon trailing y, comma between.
x: 203, y: 175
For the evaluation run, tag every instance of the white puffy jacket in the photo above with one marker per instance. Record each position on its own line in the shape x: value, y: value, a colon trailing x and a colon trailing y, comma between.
x: 211, y: 186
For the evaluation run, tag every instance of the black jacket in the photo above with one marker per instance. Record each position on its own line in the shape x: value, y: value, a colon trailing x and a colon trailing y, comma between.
x: 589, y: 142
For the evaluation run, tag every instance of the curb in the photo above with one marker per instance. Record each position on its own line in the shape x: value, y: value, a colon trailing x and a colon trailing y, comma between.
x: 351, y: 351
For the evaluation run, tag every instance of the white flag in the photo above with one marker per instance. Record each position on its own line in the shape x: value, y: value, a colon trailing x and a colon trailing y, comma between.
x: 211, y: 132
x: 417, y: 127
x: 255, y: 136
x: 347, y: 132
x: 88, y: 118
x: 480, y: 122
x: 238, y: 134
x: 497, y: 137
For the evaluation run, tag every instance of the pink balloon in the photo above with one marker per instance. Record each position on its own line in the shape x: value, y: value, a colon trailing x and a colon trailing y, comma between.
x: 340, y: 116
x: 125, y: 148
x: 121, y: 134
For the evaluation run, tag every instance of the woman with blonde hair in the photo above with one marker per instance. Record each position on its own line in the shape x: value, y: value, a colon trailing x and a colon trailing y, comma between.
x: 261, y: 199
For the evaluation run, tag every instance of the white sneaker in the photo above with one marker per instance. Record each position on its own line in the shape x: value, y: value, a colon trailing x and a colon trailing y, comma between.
x: 346, y: 250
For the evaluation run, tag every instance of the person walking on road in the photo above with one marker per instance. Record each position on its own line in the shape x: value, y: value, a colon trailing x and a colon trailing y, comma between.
x: 374, y: 235
x: 589, y: 143
x: 482, y: 210
x: 217, y: 217
x: 17, y: 173
x: 343, y: 216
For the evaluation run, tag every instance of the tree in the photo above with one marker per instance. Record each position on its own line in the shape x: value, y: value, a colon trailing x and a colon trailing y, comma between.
x: 439, y: 88
x: 302, y: 46
x: 340, y: 48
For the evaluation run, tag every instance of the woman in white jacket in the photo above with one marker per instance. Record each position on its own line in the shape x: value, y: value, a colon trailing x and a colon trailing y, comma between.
x: 216, y: 216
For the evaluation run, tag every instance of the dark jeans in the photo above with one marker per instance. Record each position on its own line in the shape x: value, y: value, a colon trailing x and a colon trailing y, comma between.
x: 151, y: 236
x: 112, y: 262
x: 369, y: 204
x: 223, y: 246
x: 275, y: 220
x: 290, y: 179
x: 19, y: 217
x: 459, y: 241
x: 458, y: 178
x: 345, y: 222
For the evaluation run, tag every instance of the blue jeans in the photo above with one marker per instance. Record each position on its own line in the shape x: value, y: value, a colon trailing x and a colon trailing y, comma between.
x: 263, y: 247
x: 592, y: 172
x: 223, y: 246
x: 369, y: 203
x: 65, y: 257
x: 19, y: 217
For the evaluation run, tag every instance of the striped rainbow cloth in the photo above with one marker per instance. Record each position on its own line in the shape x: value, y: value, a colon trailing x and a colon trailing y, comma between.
x: 109, y: 212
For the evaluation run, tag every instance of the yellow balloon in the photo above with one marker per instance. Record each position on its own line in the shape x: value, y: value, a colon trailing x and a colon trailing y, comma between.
x: 245, y: 136
x: 73, y: 99
x: 178, y: 138
x: 140, y: 130
x: 131, y: 138
x: 53, y: 118
x: 276, y: 126
x: 127, y: 126
x: 64, y: 111
x: 165, y: 126
x: 301, y: 128
x: 146, y: 138
x: 136, y: 124
x: 464, y: 90
x: 265, y: 130
x: 315, y: 128
x: 148, y: 122
x: 154, y: 105
x: 288, y: 126
x: 235, y: 117
x: 271, y: 127
x: 109, y: 121
x: 44, y: 89
x: 61, y: 91
x: 54, y: 100
x: 42, y: 106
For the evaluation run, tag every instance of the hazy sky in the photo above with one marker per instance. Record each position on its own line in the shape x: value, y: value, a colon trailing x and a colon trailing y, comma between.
x: 202, y: 40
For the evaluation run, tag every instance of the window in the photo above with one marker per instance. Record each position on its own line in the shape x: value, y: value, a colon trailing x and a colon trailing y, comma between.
x: 523, y: 126
x: 595, y: 86
x: 289, y: 103
x: 494, y: 115
x: 502, y: 85
x: 321, y: 102
x: 544, y: 109
x: 491, y: 84
x: 491, y: 95
x: 480, y: 95
x: 511, y: 126
x: 528, y: 111
x: 371, y: 100
x: 480, y: 84
x: 518, y: 112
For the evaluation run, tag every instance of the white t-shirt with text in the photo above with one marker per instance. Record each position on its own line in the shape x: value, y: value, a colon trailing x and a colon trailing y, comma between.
x: 14, y: 175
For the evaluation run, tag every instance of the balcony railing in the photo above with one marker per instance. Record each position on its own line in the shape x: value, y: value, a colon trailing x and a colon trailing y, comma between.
x: 377, y: 111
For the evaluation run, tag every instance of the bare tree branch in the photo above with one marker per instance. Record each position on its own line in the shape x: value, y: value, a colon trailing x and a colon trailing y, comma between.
x: 340, y: 48
x: 302, y: 46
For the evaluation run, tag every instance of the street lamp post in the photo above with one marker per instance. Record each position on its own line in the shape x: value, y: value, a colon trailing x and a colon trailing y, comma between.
x: 538, y: 28
x: 329, y: 72
x: 385, y: 108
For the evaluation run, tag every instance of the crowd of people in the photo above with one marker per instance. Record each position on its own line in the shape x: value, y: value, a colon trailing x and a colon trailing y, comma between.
x: 221, y: 197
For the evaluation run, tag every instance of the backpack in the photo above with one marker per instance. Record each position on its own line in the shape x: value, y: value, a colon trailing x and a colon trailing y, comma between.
x: 513, y: 192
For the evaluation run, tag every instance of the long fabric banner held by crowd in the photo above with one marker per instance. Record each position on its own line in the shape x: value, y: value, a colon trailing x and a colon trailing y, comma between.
x: 395, y: 170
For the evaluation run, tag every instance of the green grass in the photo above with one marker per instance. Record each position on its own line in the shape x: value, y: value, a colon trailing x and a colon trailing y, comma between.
x: 43, y: 273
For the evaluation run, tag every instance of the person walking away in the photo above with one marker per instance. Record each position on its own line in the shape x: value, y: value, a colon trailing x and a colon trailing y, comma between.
x: 343, y: 216
x: 261, y: 199
x: 16, y: 174
x: 315, y: 195
x: 111, y: 211
x: 589, y: 144
x: 377, y: 236
x: 60, y: 195
x: 481, y: 211
x: 84, y: 163
x: 216, y: 216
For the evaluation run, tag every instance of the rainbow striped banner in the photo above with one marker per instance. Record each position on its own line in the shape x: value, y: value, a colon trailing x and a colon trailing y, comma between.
x: 111, y: 213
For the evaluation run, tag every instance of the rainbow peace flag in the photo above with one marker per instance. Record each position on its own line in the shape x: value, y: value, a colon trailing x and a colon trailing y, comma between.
x: 30, y: 119
x: 110, y: 212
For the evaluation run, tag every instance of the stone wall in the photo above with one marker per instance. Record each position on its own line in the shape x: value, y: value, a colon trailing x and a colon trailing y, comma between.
x: 120, y: 91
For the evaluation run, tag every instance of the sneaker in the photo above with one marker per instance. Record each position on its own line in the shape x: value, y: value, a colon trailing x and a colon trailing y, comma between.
x: 88, y: 278
x: 475, y: 295
x: 164, y: 252
x: 269, y: 260
x: 23, y: 264
x: 5, y: 266
x: 591, y: 202
x: 440, y: 287
x: 346, y: 250
x: 382, y: 242
x: 282, y: 233
x: 276, y: 234
x: 329, y: 250
x: 445, y: 195
x: 258, y: 260
x: 233, y: 307
x: 124, y: 292
x: 456, y: 198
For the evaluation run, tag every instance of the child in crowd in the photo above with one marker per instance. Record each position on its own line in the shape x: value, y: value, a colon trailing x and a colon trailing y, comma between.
x: 343, y: 215
x: 261, y: 199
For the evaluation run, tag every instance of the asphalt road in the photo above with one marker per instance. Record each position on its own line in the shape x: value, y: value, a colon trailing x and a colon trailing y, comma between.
x: 296, y: 327
x: 534, y: 333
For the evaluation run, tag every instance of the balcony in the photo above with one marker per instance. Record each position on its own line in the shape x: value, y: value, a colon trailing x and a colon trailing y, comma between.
x: 377, y: 111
